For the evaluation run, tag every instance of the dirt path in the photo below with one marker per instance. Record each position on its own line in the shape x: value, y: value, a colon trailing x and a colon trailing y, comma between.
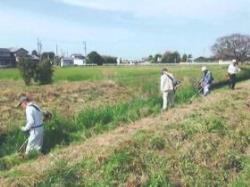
x: 103, y: 144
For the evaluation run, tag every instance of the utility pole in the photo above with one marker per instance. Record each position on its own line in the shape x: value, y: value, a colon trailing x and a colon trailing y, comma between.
x: 85, y: 47
x: 39, y: 46
x: 56, y: 50
x: 39, y: 49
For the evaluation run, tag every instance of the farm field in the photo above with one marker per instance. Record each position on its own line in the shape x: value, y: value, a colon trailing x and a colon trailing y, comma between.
x: 108, y: 130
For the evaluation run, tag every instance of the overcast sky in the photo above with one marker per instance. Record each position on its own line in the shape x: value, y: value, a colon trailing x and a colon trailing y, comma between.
x: 125, y: 28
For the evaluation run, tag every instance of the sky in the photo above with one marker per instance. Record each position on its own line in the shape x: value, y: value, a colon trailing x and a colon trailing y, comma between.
x: 129, y: 29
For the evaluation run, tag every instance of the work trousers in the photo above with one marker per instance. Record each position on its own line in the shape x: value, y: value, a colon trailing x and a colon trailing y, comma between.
x: 35, y: 140
x: 168, y: 99
x: 206, y: 89
x: 232, y: 81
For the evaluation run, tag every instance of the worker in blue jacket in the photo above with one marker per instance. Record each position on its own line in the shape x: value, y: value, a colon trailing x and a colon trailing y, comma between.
x: 206, y: 81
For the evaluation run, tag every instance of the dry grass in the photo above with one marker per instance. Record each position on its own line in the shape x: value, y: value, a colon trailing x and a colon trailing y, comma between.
x: 64, y: 98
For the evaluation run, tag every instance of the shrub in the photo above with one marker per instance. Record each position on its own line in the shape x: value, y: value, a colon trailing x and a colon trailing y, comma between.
x: 27, y: 69
x: 44, y: 72
x: 40, y: 72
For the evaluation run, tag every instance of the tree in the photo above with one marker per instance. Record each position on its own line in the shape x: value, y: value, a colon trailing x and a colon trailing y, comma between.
x: 190, y: 58
x: 48, y: 56
x: 171, y: 57
x: 184, y: 58
x: 204, y: 59
x: 157, y: 58
x: 235, y: 46
x: 27, y: 69
x: 34, y: 53
x: 109, y: 59
x: 95, y: 58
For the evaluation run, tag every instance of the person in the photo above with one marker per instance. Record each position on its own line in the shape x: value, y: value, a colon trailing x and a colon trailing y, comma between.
x: 206, y: 81
x: 233, y: 69
x: 167, y: 89
x: 34, y: 124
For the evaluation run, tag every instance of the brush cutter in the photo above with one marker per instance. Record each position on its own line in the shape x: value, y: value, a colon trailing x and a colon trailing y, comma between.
x: 22, y: 147
x: 200, y: 89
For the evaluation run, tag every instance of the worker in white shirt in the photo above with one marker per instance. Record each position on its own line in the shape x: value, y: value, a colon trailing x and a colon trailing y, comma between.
x: 167, y: 89
x: 34, y: 124
x: 233, y: 69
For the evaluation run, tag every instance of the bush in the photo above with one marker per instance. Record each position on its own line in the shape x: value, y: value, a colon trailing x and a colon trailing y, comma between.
x: 27, y: 69
x: 44, y: 72
x: 40, y: 72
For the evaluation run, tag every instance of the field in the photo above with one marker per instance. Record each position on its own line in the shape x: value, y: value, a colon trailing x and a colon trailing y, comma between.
x: 108, y: 130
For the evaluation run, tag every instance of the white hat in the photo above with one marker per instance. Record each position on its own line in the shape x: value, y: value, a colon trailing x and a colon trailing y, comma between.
x: 204, y: 68
x: 234, y: 61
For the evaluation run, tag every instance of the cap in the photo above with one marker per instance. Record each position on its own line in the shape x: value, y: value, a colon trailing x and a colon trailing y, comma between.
x: 234, y: 61
x: 21, y: 100
x: 204, y: 68
x: 164, y: 70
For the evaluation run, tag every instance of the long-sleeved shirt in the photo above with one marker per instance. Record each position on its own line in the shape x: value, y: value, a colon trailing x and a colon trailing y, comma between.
x: 166, y: 82
x: 232, y: 69
x: 34, y: 117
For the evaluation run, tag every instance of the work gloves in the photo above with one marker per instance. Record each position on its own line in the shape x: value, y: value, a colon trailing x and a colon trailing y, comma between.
x: 24, y: 129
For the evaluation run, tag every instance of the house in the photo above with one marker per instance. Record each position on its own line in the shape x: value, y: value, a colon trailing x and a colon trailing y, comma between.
x: 10, y: 56
x: 66, y: 61
x: 7, y: 59
x: 78, y: 59
x: 19, y: 52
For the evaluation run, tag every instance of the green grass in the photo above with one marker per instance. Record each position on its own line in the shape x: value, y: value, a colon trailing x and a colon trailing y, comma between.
x: 9, y: 74
x: 123, y: 74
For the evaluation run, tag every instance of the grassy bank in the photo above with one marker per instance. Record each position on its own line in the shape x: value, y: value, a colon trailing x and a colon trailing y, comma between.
x: 210, y: 147
x: 86, y: 124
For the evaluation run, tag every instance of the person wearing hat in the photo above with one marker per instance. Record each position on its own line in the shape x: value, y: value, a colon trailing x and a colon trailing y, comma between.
x: 167, y: 89
x: 206, y: 80
x: 34, y: 124
x: 232, y: 70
